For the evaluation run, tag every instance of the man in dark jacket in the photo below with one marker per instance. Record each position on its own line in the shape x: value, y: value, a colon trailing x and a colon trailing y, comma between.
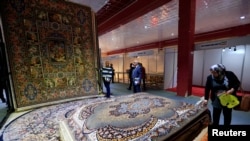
x: 143, y: 76
x: 113, y: 73
x: 137, y: 77
x: 130, y: 72
x: 218, y: 82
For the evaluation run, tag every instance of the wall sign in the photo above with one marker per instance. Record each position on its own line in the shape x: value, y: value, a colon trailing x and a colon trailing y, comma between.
x: 224, y: 43
x: 141, y: 53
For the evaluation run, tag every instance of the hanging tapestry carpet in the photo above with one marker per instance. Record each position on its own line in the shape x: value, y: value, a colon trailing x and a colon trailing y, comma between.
x: 51, y: 49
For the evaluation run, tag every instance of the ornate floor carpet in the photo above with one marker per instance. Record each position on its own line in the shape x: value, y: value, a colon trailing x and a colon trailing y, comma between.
x: 137, y: 117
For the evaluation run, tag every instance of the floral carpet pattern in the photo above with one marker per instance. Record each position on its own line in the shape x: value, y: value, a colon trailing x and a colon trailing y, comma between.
x: 51, y: 49
x: 140, y: 116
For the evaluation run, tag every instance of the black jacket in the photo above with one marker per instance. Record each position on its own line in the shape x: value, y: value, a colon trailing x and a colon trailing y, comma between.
x: 130, y: 72
x: 232, y: 80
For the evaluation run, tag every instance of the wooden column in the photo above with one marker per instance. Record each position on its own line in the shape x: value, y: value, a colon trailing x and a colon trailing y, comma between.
x: 185, y: 47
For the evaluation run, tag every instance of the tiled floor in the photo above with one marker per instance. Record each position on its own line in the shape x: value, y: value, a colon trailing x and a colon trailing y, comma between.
x: 239, y: 118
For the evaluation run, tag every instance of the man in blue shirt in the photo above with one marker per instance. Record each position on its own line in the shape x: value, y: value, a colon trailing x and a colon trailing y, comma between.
x: 137, y: 76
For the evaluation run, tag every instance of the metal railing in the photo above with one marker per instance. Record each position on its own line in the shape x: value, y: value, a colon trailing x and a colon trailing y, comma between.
x: 152, y: 79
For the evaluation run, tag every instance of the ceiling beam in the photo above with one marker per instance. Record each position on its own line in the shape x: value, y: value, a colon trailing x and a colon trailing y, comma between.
x: 135, y: 10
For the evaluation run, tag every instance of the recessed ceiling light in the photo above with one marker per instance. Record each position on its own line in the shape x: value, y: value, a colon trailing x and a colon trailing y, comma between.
x: 242, y: 17
x: 205, y: 3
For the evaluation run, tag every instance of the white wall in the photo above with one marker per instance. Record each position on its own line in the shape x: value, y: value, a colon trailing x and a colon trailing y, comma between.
x: 198, y: 67
x: 160, y: 62
x: 153, y: 63
x: 237, y: 61
x: 234, y: 60
x: 211, y: 57
x: 166, y: 62
x: 170, y: 69
x: 245, y: 80
x: 151, y: 68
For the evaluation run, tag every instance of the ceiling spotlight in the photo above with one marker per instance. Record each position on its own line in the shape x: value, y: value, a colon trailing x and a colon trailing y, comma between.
x: 223, y: 49
x: 242, y: 17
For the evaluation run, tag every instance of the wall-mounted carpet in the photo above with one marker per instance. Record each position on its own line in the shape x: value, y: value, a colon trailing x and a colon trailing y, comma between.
x: 51, y: 50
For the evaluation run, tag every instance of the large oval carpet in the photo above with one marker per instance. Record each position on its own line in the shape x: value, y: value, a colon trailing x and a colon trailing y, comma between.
x: 140, y: 116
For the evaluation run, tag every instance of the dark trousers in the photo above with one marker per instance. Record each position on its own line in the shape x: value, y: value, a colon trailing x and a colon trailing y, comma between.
x: 130, y: 83
x: 107, y: 86
x: 113, y: 77
x: 144, y: 84
x: 136, y: 88
x: 227, y: 113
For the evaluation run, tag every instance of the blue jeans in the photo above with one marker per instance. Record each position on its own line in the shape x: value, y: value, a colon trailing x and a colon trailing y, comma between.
x: 107, y: 86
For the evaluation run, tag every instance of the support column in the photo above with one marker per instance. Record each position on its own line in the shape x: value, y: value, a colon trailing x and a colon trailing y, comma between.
x: 185, y: 47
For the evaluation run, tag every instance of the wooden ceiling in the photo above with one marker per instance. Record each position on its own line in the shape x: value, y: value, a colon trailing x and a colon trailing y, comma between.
x: 130, y: 25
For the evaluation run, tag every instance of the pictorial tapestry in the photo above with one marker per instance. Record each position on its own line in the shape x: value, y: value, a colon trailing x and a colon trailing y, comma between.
x: 51, y: 49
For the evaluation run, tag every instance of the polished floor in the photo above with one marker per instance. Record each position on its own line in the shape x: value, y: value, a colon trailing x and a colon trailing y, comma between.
x: 117, y: 89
